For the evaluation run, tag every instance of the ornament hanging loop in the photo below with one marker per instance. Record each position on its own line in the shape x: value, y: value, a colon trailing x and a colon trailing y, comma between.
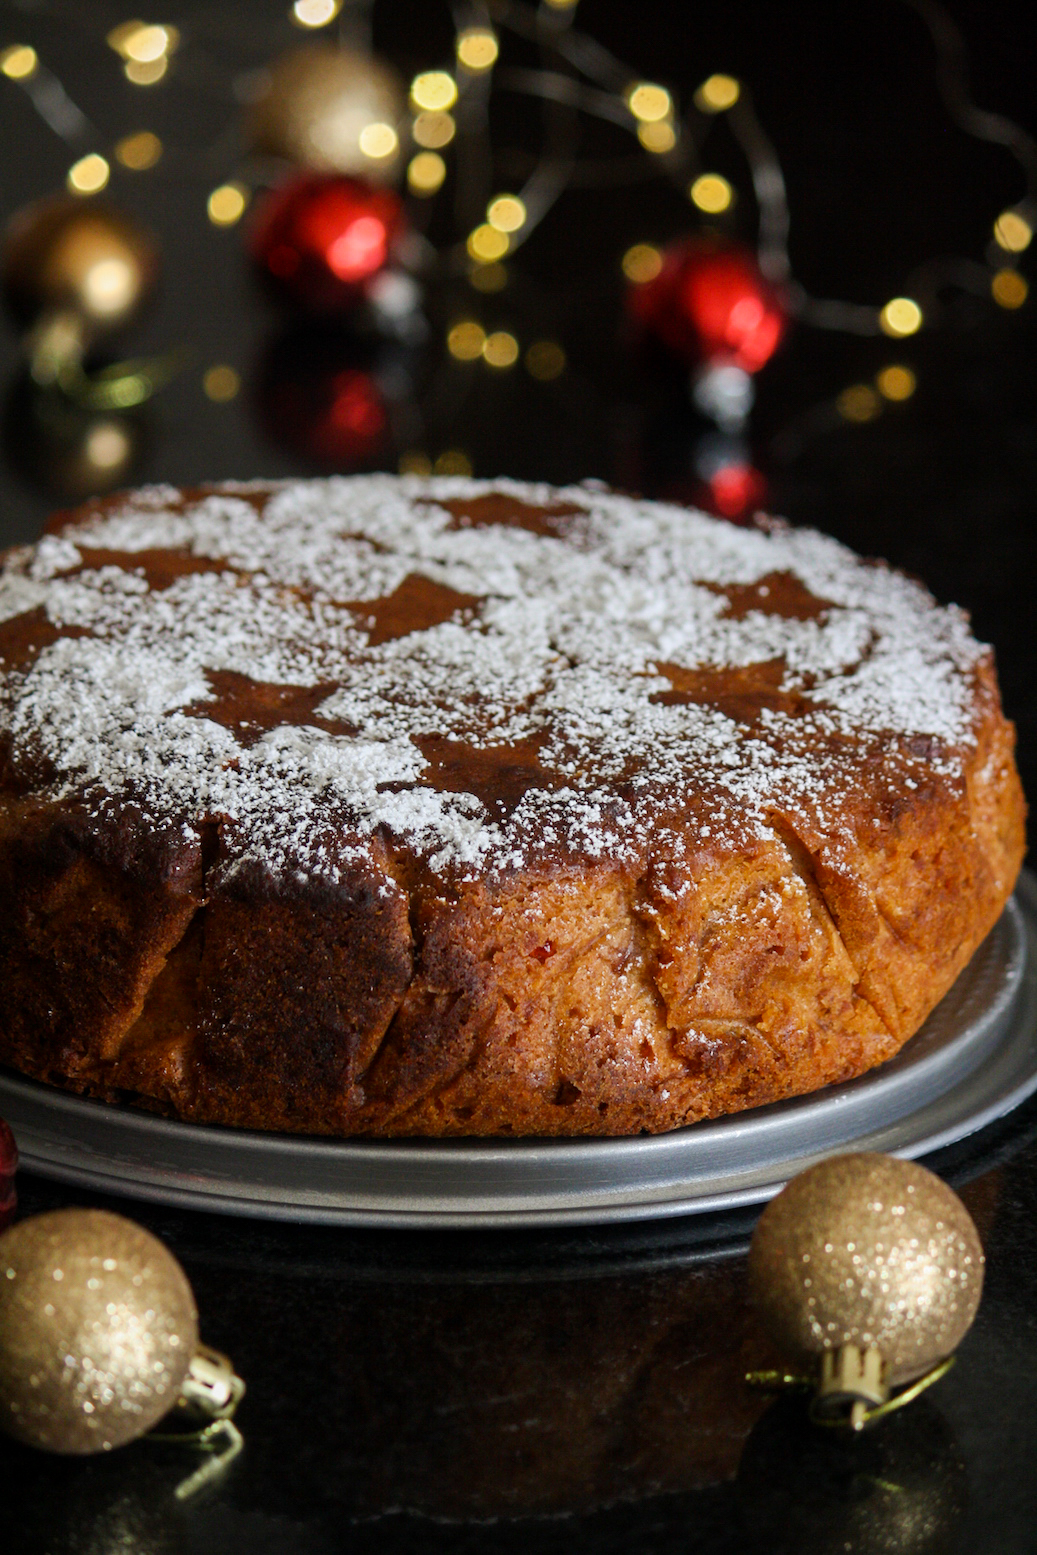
x: 856, y: 1411
x: 846, y: 1399
x: 209, y: 1395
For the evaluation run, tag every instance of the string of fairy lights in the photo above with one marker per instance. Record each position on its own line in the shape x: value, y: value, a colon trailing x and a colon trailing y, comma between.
x: 426, y: 140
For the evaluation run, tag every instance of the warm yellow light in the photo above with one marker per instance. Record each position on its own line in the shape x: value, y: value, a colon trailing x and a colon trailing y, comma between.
x: 315, y: 13
x: 107, y: 445
x: 858, y: 403
x: 221, y: 383
x: 545, y: 360
x: 657, y: 137
x: 227, y: 204
x: 425, y: 173
x: 435, y: 90
x: 433, y: 130
x: 414, y: 462
x: 146, y: 45
x: 562, y: 5
x: 717, y: 94
x: 900, y: 316
x: 896, y: 383
x: 116, y: 39
x: 641, y: 263
x: 88, y: 175
x: 711, y: 193
x: 109, y: 286
x: 486, y: 244
x: 1012, y: 232
x: 500, y: 349
x: 506, y: 213
x: 489, y: 278
x: 145, y: 72
x: 477, y: 48
x: 138, y: 151
x: 649, y: 102
x: 19, y: 62
x: 1009, y: 289
x: 466, y: 340
x: 378, y: 140
x: 453, y: 461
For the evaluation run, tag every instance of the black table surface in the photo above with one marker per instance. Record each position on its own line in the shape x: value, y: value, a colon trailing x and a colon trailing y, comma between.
x: 585, y: 1390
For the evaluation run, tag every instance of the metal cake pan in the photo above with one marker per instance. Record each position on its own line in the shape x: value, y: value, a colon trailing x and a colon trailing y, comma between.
x: 973, y: 1060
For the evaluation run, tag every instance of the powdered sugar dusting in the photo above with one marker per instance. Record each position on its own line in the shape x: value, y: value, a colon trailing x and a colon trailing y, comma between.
x: 567, y: 656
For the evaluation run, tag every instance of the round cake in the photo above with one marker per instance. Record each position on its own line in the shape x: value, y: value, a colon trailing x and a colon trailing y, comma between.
x: 395, y: 806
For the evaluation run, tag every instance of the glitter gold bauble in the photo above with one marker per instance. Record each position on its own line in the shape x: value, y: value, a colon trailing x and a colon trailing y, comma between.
x: 69, y: 255
x: 323, y: 106
x: 97, y: 1331
x: 871, y: 1252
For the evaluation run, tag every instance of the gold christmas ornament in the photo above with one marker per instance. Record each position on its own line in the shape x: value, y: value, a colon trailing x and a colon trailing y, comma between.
x: 332, y: 111
x: 99, y: 1335
x: 66, y: 256
x: 867, y: 1272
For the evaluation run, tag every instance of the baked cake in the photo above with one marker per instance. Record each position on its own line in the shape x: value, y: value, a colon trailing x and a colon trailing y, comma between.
x: 397, y: 806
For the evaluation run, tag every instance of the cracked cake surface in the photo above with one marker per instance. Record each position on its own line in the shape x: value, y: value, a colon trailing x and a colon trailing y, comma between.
x: 433, y: 806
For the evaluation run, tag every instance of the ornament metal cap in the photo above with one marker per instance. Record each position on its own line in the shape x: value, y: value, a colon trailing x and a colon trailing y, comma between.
x: 867, y: 1272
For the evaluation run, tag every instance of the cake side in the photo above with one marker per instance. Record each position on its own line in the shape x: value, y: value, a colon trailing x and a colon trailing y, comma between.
x: 481, y: 809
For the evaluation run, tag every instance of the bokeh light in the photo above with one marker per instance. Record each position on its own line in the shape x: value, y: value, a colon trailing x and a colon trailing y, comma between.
x: 433, y: 130
x: 315, y: 13
x: 896, y: 382
x: 658, y: 137
x: 649, y: 102
x: 545, y: 360
x: 19, y: 61
x: 146, y: 72
x: 1009, y: 289
x: 434, y: 89
x: 506, y: 213
x: 138, y: 152
x: 717, y: 94
x: 489, y: 278
x: 486, y: 244
x: 711, y: 193
x: 901, y: 316
x: 466, y: 340
x: 425, y: 173
x: 453, y: 461
x: 477, y: 48
x: 378, y: 140
x: 107, y: 445
x: 641, y: 263
x: 858, y: 403
x: 1012, y: 232
x: 227, y: 204
x: 500, y: 349
x: 88, y: 175
x: 221, y: 383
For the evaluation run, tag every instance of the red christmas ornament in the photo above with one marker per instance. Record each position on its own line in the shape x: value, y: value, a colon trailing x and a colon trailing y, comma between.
x: 8, y: 1167
x: 317, y: 399
x: 735, y: 490
x: 711, y: 303
x: 319, y: 240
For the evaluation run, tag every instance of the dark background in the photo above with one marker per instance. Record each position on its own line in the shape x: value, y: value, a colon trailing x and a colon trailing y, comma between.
x: 880, y: 180
x: 584, y: 1391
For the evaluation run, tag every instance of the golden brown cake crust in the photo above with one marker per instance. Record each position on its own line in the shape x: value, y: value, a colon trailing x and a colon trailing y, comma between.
x: 387, y: 807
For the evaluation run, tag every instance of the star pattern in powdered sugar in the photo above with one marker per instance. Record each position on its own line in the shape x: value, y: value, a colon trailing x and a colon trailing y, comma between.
x: 483, y: 670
